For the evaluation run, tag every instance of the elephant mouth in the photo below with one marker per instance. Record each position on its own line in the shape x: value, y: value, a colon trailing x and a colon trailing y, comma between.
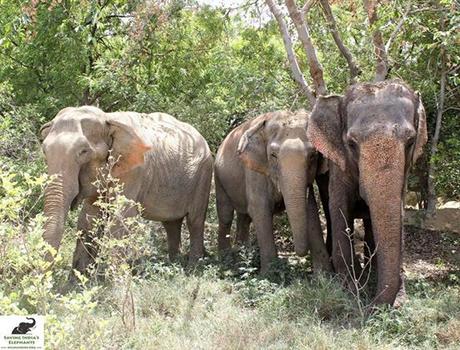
x: 76, y: 202
x: 78, y: 198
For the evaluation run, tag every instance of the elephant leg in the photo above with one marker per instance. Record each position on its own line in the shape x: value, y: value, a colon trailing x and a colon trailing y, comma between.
x: 342, y: 247
x: 242, y: 227
x: 197, y: 215
x: 225, y: 213
x: 86, y: 248
x: 262, y: 218
x: 263, y: 224
x: 173, y: 231
x: 319, y: 254
x: 196, y: 228
x: 340, y: 207
x: 260, y: 208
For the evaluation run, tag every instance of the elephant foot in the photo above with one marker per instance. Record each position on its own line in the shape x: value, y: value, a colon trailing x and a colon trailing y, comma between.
x: 322, y: 266
x: 174, y: 256
x: 321, y: 263
x: 224, y: 245
x: 267, y: 264
x: 195, y: 258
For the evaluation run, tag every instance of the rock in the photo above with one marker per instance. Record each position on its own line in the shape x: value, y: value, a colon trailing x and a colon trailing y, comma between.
x: 445, y: 219
x: 450, y: 205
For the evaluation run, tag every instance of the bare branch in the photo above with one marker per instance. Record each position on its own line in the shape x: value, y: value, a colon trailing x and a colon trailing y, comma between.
x: 316, y: 70
x: 354, y: 69
x: 381, y: 68
x: 296, y: 72
x: 398, y: 27
x: 451, y: 109
x: 308, y: 5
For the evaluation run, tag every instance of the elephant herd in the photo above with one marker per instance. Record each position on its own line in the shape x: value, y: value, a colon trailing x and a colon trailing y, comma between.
x: 358, y: 148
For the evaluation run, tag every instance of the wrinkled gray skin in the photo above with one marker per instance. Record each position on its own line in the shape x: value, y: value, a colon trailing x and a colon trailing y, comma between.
x: 263, y: 166
x: 371, y: 136
x: 164, y: 164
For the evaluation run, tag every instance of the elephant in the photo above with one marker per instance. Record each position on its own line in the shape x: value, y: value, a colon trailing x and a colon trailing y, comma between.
x: 371, y: 135
x: 163, y: 163
x: 24, y: 327
x: 264, y: 166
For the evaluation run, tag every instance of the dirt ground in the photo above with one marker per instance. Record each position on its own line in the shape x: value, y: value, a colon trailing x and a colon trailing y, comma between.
x: 433, y: 255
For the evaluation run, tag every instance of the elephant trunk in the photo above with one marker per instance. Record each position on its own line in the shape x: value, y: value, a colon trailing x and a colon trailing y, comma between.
x: 382, y: 185
x: 294, y: 189
x: 59, y: 194
x: 32, y: 324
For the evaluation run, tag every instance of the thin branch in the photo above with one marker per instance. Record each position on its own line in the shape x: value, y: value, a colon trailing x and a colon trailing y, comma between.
x: 451, y: 109
x: 308, y: 5
x: 296, y: 72
x: 398, y: 27
x: 316, y: 70
x: 354, y: 69
x: 381, y: 68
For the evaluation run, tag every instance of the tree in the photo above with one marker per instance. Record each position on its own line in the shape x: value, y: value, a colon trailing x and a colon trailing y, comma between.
x: 415, y: 36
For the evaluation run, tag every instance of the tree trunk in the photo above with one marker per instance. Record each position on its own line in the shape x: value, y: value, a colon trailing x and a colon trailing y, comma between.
x: 381, y: 68
x: 316, y: 70
x: 296, y: 72
x: 353, y: 67
x: 431, y: 197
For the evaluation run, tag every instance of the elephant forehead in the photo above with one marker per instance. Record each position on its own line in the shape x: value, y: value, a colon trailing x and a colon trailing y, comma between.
x: 83, y: 119
x: 287, y: 125
x: 375, y: 110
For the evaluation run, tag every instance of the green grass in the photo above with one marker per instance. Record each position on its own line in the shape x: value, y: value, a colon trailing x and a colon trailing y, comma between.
x: 222, y: 304
x: 173, y: 309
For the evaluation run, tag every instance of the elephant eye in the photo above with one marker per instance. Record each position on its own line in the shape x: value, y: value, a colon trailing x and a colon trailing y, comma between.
x: 274, y: 155
x: 83, y: 152
x: 352, y: 144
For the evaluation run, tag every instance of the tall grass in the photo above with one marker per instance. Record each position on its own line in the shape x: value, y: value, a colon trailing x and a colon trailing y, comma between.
x: 145, y: 302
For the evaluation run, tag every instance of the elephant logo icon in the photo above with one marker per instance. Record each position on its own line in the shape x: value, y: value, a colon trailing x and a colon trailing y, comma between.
x: 24, y: 327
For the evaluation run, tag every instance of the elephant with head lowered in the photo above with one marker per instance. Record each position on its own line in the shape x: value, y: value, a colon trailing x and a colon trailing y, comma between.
x: 264, y: 166
x: 371, y: 136
x: 164, y: 164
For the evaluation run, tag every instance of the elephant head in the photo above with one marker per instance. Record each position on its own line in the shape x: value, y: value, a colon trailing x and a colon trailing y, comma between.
x: 76, y: 144
x: 24, y: 327
x: 374, y: 133
x: 276, y: 145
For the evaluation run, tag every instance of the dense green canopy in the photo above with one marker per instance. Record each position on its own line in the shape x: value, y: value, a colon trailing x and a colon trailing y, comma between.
x: 212, y: 67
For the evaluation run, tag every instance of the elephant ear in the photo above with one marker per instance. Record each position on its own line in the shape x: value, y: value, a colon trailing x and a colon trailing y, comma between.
x: 325, y: 129
x: 128, y: 146
x: 422, y: 136
x: 45, y: 130
x: 252, y: 148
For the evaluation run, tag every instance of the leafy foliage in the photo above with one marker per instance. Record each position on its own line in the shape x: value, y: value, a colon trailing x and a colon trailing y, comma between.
x: 213, y: 68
